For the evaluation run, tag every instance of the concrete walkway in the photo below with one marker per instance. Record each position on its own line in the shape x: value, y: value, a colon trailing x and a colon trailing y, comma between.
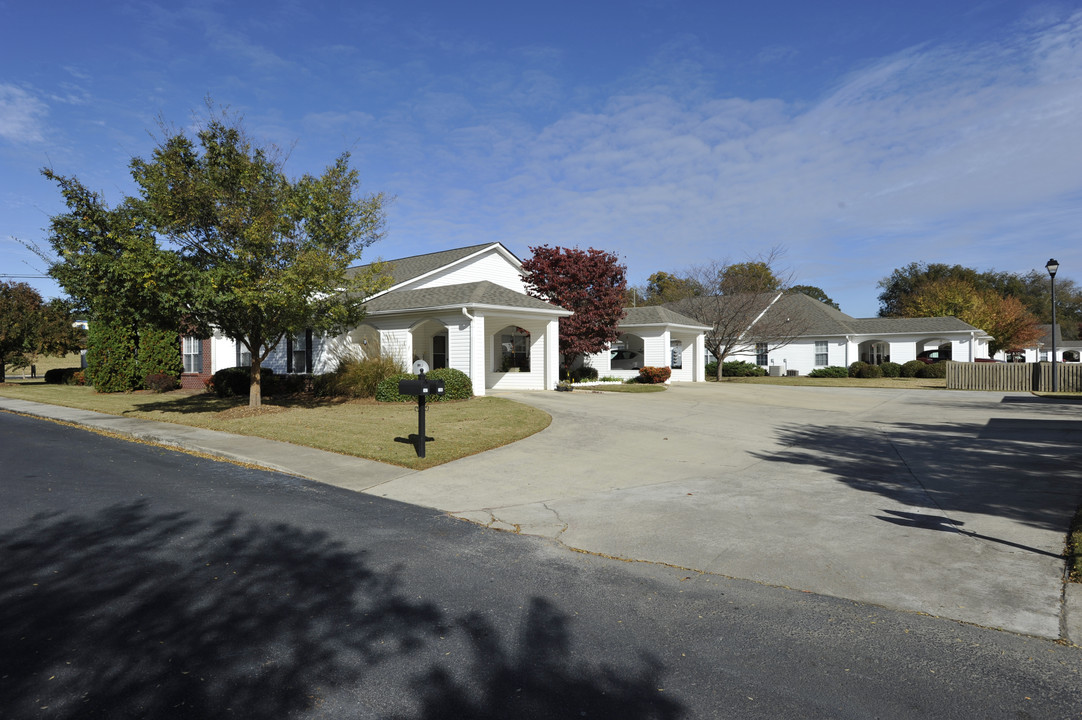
x: 953, y: 504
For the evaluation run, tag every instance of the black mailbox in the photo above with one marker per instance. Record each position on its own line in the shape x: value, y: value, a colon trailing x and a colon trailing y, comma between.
x: 418, y: 388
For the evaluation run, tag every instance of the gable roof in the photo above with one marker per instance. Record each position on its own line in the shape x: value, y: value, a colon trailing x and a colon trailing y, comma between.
x: 657, y: 315
x: 476, y: 294
x: 817, y: 319
x: 403, y: 270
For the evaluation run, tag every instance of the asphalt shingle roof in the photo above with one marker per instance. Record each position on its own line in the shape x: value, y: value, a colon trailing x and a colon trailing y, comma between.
x: 405, y: 269
x: 657, y: 315
x: 466, y: 294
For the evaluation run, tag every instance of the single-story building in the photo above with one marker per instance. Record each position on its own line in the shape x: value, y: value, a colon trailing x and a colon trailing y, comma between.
x: 467, y: 309
x: 1069, y: 351
x: 820, y: 335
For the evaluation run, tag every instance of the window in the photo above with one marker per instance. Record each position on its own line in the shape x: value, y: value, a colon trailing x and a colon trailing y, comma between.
x: 193, y: 355
x: 677, y: 350
x: 244, y: 356
x: 513, y: 354
x: 822, y: 354
x: 299, y: 353
x: 761, y: 354
x: 1044, y: 356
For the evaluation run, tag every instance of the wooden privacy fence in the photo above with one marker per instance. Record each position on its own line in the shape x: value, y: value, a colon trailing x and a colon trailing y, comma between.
x: 1013, y: 377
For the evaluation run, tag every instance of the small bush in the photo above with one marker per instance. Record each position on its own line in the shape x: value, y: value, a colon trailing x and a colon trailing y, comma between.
x: 712, y: 369
x: 912, y: 368
x: 739, y: 368
x: 387, y: 390
x: 831, y: 371
x: 160, y: 382
x: 654, y: 375
x: 62, y: 376
x: 935, y: 370
x: 78, y: 378
x: 585, y: 372
x: 237, y: 382
x: 891, y: 369
x: 456, y: 384
x: 855, y: 368
x: 870, y: 371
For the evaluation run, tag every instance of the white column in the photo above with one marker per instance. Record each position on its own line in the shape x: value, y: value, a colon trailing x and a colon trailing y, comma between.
x: 477, y: 353
x: 552, y: 354
x: 700, y: 358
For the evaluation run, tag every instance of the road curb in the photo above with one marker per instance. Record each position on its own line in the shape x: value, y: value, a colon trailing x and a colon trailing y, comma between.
x: 1072, y: 613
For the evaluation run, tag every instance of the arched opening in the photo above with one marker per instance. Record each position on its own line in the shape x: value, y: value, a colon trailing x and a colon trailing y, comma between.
x: 1070, y: 356
x: 430, y: 343
x: 627, y: 352
x: 512, y: 350
x: 875, y: 352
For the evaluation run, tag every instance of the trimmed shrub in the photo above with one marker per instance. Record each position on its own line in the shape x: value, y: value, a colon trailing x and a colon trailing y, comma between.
x: 63, y: 376
x: 712, y: 369
x: 891, y: 369
x: 912, y: 368
x: 935, y: 370
x: 870, y: 371
x: 583, y: 373
x: 112, y: 357
x: 78, y: 378
x: 831, y: 371
x: 387, y: 390
x: 739, y: 368
x: 237, y: 382
x: 456, y: 384
x: 159, y: 353
x: 160, y: 382
x: 654, y: 375
x: 855, y: 368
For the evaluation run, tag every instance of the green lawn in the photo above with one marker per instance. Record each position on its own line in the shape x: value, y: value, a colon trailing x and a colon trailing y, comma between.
x: 363, y: 428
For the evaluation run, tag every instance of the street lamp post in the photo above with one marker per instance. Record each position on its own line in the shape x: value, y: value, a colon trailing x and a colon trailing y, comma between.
x: 1052, y: 266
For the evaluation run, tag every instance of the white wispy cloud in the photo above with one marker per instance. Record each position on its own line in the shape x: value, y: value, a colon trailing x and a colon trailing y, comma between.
x: 21, y: 115
x: 938, y: 152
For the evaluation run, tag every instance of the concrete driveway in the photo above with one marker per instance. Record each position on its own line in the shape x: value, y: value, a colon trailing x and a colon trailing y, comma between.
x: 949, y: 503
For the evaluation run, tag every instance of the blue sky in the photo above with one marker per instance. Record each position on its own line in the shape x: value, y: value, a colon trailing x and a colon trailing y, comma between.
x: 858, y: 136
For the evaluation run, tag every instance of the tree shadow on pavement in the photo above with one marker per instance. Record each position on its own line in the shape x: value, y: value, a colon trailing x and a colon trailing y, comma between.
x: 126, y: 613
x: 540, y: 679
x: 1022, y: 470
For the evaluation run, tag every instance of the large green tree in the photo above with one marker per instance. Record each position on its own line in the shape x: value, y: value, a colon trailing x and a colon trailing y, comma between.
x: 1006, y: 319
x: 814, y: 292
x: 219, y: 237
x: 31, y: 327
x: 1032, y: 289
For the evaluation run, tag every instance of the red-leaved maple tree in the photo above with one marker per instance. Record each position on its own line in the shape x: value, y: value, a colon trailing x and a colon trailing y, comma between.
x: 591, y: 284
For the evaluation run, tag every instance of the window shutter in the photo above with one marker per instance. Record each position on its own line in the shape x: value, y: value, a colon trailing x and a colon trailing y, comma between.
x: 308, y: 351
x: 289, y: 353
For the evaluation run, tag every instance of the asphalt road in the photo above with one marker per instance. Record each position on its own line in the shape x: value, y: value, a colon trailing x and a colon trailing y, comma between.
x: 141, y: 582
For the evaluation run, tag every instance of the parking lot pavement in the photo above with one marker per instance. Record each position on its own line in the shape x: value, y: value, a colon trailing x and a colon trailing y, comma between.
x: 953, y: 504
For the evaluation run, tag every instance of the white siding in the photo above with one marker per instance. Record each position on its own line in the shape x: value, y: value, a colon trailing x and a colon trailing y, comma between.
x: 489, y: 266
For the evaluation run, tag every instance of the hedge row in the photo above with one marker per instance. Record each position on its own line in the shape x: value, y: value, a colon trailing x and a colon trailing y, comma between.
x: 456, y: 384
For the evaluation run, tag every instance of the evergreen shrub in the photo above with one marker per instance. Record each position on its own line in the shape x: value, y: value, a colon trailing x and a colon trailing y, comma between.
x: 159, y: 353
x: 112, y: 357
x: 935, y: 370
x: 831, y: 371
x: 891, y: 369
x: 739, y: 368
x: 912, y: 368
x: 62, y: 376
x: 237, y: 382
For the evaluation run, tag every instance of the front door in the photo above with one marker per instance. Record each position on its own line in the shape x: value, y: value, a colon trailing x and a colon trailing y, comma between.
x: 439, y: 351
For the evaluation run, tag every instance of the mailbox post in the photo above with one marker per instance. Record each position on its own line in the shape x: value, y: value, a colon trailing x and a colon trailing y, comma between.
x: 422, y: 388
